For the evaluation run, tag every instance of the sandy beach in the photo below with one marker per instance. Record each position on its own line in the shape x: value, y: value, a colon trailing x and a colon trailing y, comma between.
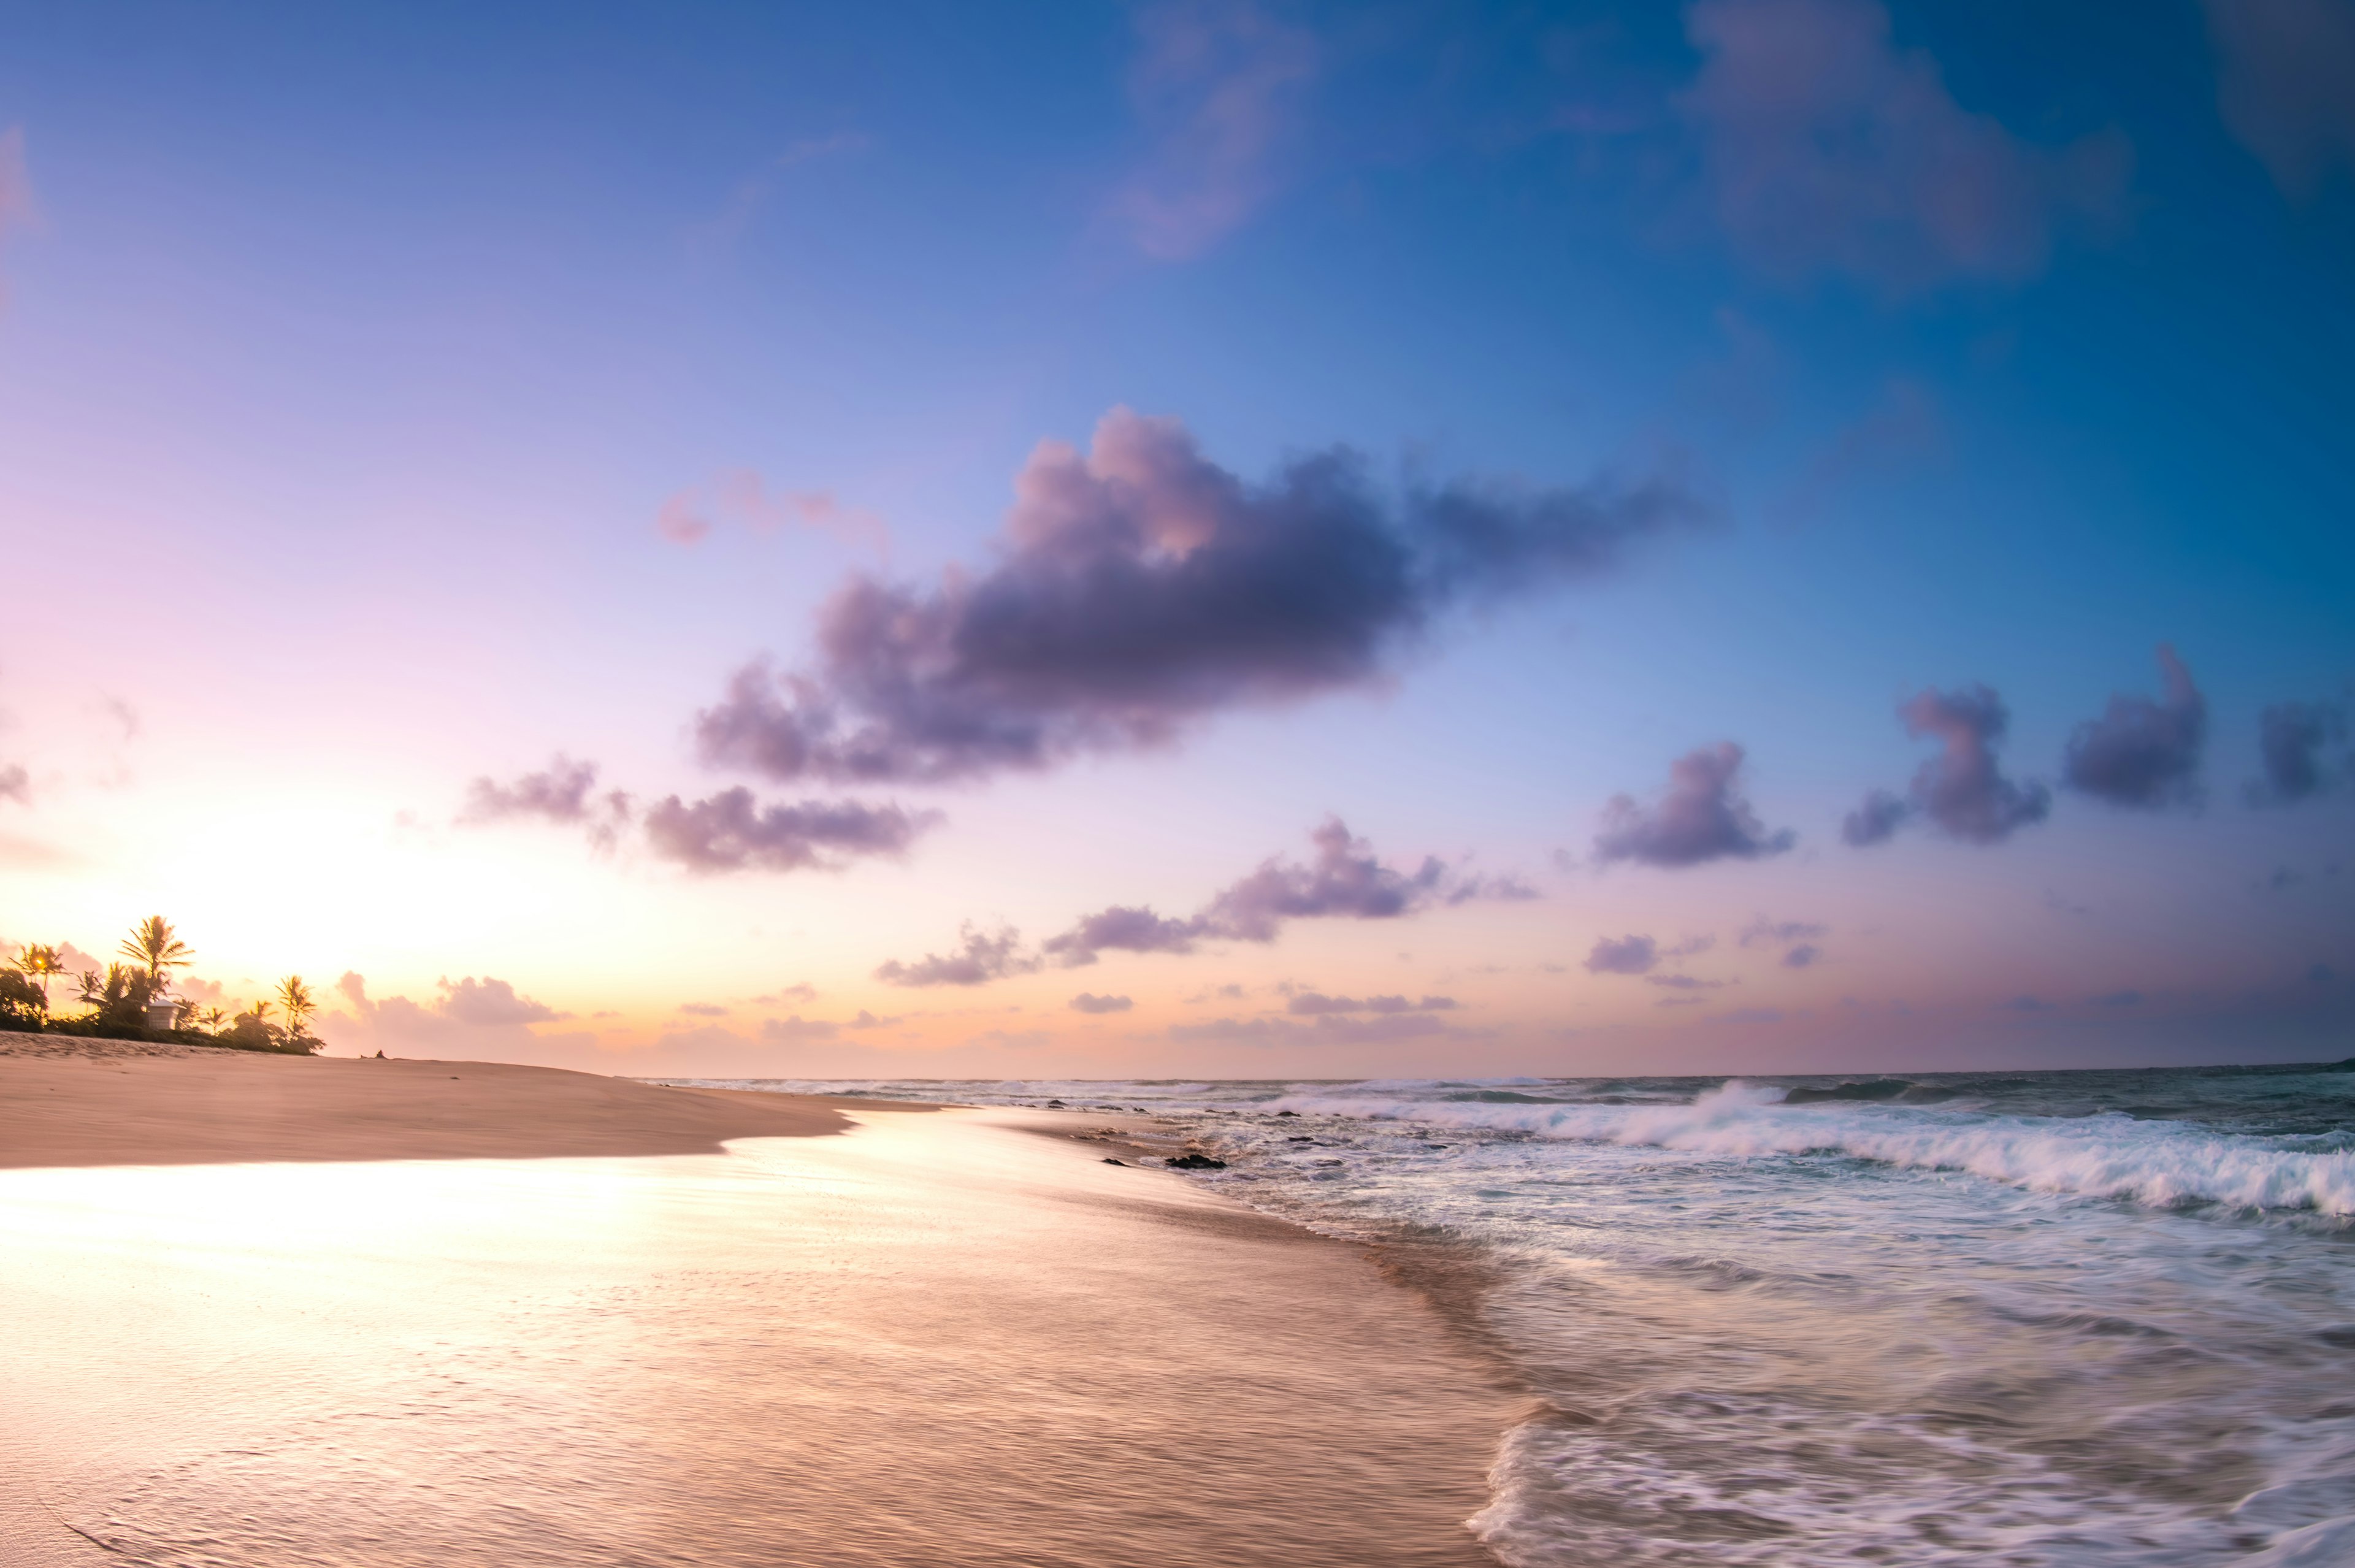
x: 273, y: 1310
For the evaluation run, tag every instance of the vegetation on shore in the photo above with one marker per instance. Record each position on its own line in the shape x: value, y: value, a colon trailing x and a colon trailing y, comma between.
x: 117, y: 1002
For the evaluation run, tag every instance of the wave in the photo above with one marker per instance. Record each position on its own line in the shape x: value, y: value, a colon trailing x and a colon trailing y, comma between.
x: 2162, y: 1164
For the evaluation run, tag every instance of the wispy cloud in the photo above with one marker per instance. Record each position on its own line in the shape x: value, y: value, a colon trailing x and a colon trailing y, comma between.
x: 743, y: 496
x: 1218, y: 86
x: 1829, y: 150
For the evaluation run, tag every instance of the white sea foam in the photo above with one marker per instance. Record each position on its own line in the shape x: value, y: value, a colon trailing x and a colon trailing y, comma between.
x: 2153, y: 1162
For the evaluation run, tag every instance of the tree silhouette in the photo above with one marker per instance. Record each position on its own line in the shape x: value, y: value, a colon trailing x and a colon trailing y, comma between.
x: 295, y: 999
x: 39, y: 964
x: 155, y: 947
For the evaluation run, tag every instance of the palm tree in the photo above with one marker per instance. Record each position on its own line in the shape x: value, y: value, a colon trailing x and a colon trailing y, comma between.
x: 39, y: 964
x: 295, y: 997
x: 212, y: 1017
x: 157, y: 949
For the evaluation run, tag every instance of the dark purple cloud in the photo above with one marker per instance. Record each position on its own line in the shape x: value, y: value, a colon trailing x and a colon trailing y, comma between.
x: 2141, y: 753
x: 1088, y: 1002
x: 1802, y: 957
x: 1961, y: 791
x: 1627, y: 955
x: 1876, y: 818
x: 2292, y: 741
x: 1703, y: 817
x: 1122, y: 929
x: 1140, y: 587
x: 2288, y: 87
x: 1830, y: 150
x: 1313, y: 1004
x: 1344, y: 879
x: 732, y: 832
x: 983, y: 957
x: 15, y: 785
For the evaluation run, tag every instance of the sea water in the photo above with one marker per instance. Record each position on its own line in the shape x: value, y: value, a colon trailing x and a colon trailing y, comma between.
x: 2089, y: 1318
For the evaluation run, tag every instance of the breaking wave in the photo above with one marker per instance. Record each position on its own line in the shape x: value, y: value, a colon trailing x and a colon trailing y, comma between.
x: 2158, y: 1163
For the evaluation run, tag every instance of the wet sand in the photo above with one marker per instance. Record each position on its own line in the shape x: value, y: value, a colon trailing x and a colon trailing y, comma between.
x: 931, y: 1338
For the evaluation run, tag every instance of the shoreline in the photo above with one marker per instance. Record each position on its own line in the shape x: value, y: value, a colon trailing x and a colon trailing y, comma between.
x: 67, y: 1100
x: 876, y: 1331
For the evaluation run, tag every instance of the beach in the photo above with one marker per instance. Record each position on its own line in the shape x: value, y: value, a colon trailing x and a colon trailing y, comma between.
x: 279, y: 1310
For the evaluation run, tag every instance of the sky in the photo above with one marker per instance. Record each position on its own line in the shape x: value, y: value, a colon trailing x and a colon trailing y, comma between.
x: 1193, y: 540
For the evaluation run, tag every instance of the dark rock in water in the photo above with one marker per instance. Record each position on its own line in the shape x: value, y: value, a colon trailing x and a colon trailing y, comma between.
x: 1873, y: 1091
x: 1197, y: 1162
x: 1301, y: 1139
x: 1109, y: 1160
x: 1054, y: 1104
x: 1287, y: 1112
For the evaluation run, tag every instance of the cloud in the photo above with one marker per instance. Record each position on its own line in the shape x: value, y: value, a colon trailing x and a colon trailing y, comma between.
x: 2287, y: 84
x: 1802, y: 957
x: 869, y: 1020
x: 1703, y: 817
x: 984, y: 956
x: 681, y: 520
x: 1327, y: 1030
x: 1777, y: 933
x: 1876, y: 818
x: 15, y: 785
x: 1627, y: 955
x: 1088, y: 1002
x: 703, y: 1009
x: 1218, y: 82
x: 1961, y: 791
x: 1315, y: 1004
x: 2139, y: 752
x: 489, y: 1002
x: 1122, y: 928
x: 743, y: 496
x: 1140, y: 588
x: 746, y: 202
x: 730, y: 832
x: 2291, y: 739
x: 1829, y: 150
x: 1345, y: 880
x: 1685, y: 982
x: 801, y: 991
x: 792, y: 1031
x: 559, y: 792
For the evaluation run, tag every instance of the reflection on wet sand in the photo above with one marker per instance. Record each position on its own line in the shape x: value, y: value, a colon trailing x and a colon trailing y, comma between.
x: 934, y: 1340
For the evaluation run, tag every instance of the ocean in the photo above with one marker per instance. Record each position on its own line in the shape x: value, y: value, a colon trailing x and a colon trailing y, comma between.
x: 2073, y: 1317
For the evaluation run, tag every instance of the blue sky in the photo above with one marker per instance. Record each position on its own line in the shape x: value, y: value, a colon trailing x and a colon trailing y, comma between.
x: 401, y: 399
